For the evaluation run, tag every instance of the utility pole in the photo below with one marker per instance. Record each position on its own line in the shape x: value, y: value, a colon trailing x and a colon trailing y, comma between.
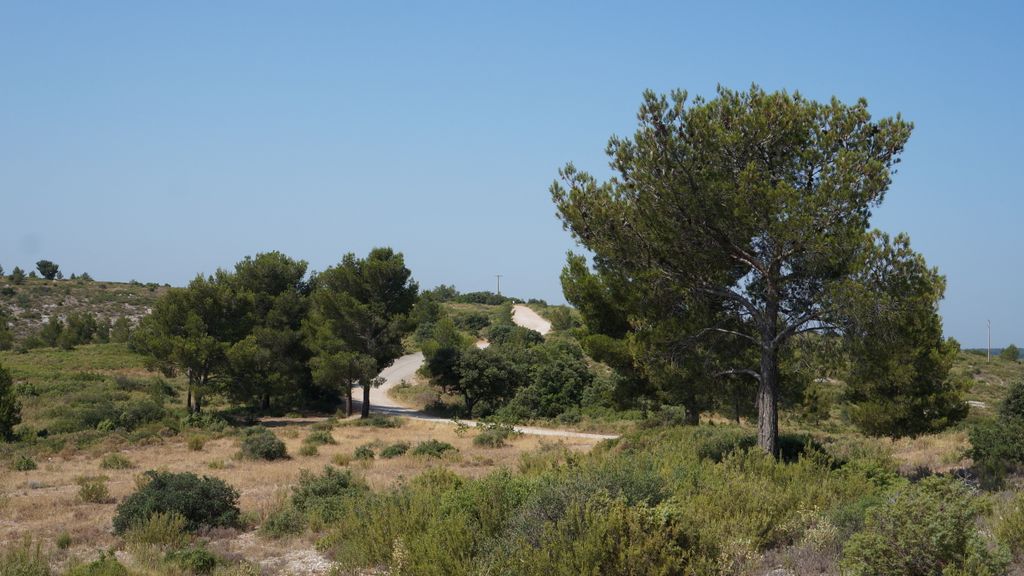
x: 498, y: 276
x: 989, y: 340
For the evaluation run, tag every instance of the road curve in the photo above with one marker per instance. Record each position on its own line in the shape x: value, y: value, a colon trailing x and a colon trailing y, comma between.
x: 405, y: 367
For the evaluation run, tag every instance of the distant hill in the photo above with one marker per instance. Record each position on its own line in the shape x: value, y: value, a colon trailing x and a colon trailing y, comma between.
x: 32, y: 303
x: 984, y: 352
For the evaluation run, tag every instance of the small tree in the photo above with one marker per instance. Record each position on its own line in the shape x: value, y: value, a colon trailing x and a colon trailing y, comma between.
x: 47, y: 269
x: 1010, y: 353
x: 17, y: 276
x: 10, y: 408
x: 121, y: 330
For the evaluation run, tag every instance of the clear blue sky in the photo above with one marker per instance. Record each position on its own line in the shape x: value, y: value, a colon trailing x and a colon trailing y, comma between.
x: 155, y: 140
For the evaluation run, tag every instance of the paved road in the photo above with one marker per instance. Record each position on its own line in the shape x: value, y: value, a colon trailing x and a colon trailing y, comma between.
x: 406, y: 366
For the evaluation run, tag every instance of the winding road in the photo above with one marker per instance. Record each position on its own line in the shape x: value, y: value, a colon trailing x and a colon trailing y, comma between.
x: 406, y: 366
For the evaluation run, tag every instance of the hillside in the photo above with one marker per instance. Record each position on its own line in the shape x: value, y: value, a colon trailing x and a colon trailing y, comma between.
x: 31, y: 304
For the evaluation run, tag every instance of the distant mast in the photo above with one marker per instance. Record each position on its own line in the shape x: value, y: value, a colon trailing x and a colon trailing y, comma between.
x: 989, y: 358
x: 498, y: 276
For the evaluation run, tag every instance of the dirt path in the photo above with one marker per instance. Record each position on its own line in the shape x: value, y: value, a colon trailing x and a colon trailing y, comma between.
x: 525, y: 316
x: 406, y: 366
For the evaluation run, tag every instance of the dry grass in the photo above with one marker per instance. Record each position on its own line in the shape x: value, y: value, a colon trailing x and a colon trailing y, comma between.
x: 939, y: 453
x: 44, y: 502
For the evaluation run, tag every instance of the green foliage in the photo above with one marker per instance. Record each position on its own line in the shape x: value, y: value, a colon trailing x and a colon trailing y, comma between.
x: 10, y: 408
x: 258, y: 443
x: 194, y: 559
x: 196, y: 442
x: 308, y: 450
x: 494, y: 435
x: 47, y: 269
x: 997, y: 448
x: 378, y: 421
x: 24, y: 558
x: 105, y: 565
x: 63, y: 541
x: 364, y: 452
x: 395, y: 450
x: 282, y: 522
x: 1013, y: 404
x: 23, y: 463
x: 432, y: 448
x: 1011, y: 353
x: 358, y: 318
x: 319, y: 438
x: 121, y: 330
x: 93, y: 489
x: 899, y: 379
x: 163, y: 530
x: 927, y: 528
x: 17, y: 276
x: 203, y: 502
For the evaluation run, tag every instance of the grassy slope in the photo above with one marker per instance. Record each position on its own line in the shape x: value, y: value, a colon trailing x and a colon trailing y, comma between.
x: 33, y: 303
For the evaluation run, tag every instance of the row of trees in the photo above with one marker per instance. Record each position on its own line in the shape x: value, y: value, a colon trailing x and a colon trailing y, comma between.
x: 264, y: 331
x: 738, y: 227
x: 47, y: 269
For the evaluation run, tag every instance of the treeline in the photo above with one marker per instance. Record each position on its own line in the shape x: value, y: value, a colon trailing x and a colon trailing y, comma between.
x: 266, y: 336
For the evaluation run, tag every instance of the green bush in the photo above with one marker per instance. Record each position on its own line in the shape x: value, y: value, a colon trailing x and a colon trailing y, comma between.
x: 378, y: 421
x: 163, y: 530
x: 433, y: 448
x: 105, y: 565
x: 1013, y: 404
x: 23, y: 463
x: 261, y: 444
x: 24, y: 559
x: 308, y: 450
x: 364, y: 452
x: 115, y: 461
x: 494, y: 435
x: 282, y: 522
x: 997, y: 448
x: 395, y: 450
x: 195, y: 559
x: 1009, y: 525
x: 196, y: 442
x: 319, y: 438
x: 63, y: 540
x: 927, y: 528
x: 93, y: 489
x: 203, y: 502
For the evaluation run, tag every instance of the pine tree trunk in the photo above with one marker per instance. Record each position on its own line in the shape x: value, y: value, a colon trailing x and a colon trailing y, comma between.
x: 188, y: 400
x: 348, y: 400
x: 768, y: 402
x: 366, y: 400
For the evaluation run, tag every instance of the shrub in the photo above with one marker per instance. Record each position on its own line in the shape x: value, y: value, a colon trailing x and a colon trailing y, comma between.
x: 997, y: 447
x: 196, y: 442
x: 164, y: 530
x: 395, y: 450
x: 308, y: 450
x: 260, y: 444
x: 10, y: 408
x: 23, y: 463
x: 202, y: 501
x: 341, y: 459
x: 927, y: 528
x: 1009, y: 525
x: 115, y: 461
x: 284, y: 521
x: 433, y: 448
x: 63, y: 540
x: 93, y: 489
x: 319, y: 438
x: 24, y: 559
x: 490, y: 439
x: 378, y: 421
x: 196, y: 559
x: 105, y: 565
x: 1013, y: 404
x: 364, y: 452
